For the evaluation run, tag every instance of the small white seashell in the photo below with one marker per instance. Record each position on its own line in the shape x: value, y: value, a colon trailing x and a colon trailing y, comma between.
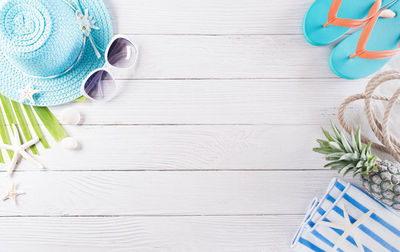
x: 70, y: 116
x: 70, y: 143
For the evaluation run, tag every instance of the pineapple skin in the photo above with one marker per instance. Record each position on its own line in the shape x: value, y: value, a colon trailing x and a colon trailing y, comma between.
x: 384, y: 185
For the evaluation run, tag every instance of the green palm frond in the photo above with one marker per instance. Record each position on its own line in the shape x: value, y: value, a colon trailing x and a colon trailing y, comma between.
x: 36, y: 127
x: 51, y: 123
x: 81, y: 99
x: 4, y: 136
x: 24, y: 125
x: 11, y: 112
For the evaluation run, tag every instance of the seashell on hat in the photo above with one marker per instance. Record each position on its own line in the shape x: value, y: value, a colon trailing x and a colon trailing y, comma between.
x: 50, y: 46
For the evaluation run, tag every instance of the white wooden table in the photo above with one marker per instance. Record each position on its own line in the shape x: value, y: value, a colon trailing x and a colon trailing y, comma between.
x: 208, y: 147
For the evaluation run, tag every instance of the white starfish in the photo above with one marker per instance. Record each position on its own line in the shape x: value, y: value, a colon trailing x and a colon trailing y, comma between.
x: 348, y: 228
x: 20, y: 151
x: 12, y: 193
x: 27, y: 94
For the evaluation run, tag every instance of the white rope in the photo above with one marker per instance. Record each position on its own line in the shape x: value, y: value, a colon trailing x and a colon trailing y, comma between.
x: 380, y: 128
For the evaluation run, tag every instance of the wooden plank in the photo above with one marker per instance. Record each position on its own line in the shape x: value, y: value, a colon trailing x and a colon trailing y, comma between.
x: 207, y: 16
x: 192, y: 147
x: 191, y: 233
x: 241, y: 56
x: 166, y: 193
x: 222, y: 102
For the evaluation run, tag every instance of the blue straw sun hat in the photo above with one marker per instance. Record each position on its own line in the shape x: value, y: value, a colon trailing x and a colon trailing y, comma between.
x: 48, y: 47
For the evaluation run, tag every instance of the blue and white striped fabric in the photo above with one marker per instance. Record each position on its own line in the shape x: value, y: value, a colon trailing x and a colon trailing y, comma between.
x: 348, y: 219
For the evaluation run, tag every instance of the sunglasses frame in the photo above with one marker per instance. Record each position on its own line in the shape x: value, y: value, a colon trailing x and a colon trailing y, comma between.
x: 110, y: 69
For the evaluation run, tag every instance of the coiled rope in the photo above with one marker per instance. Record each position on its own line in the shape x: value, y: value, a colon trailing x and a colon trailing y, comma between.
x: 380, y: 128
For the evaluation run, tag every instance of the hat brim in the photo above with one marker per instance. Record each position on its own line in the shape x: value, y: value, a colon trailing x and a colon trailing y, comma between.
x: 66, y: 88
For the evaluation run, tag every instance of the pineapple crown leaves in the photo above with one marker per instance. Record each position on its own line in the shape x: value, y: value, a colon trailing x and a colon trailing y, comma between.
x: 347, y: 155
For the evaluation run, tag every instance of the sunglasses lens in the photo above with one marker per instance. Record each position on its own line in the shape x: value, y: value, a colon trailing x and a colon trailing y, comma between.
x: 122, y: 53
x: 100, y: 86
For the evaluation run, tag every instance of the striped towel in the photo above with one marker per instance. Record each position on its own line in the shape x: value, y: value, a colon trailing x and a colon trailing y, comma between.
x: 348, y: 219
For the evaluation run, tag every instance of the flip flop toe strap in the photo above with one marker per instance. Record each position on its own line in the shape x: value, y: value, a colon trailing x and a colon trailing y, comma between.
x: 347, y: 22
x: 361, y: 50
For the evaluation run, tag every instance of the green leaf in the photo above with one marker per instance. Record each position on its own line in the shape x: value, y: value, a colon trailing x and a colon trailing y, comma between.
x: 51, y: 123
x: 335, y: 146
x: 324, y: 150
x: 323, y: 143
x: 4, y: 135
x: 9, y: 111
x: 327, y: 135
x: 359, y: 164
x: 11, y: 120
x: 348, y: 157
x: 347, y: 167
x: 369, y: 147
x: 336, y: 131
x: 81, y: 99
x: 346, y: 143
x: 337, y: 155
x: 36, y: 126
x: 357, y: 172
x: 337, y: 163
x: 347, y: 171
x: 24, y: 125
x: 364, y: 152
x: 358, y: 139
x: 353, y: 141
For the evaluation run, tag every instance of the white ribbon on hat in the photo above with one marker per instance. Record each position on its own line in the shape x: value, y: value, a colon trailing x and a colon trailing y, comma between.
x: 86, y: 24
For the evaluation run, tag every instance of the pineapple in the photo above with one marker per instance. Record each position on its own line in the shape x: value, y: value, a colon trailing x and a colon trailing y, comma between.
x: 380, y: 178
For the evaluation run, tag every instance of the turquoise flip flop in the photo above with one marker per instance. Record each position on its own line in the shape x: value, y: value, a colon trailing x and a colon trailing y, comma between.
x: 368, y: 50
x: 328, y: 20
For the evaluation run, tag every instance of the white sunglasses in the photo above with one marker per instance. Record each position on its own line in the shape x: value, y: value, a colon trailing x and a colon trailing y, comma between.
x: 100, y: 84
